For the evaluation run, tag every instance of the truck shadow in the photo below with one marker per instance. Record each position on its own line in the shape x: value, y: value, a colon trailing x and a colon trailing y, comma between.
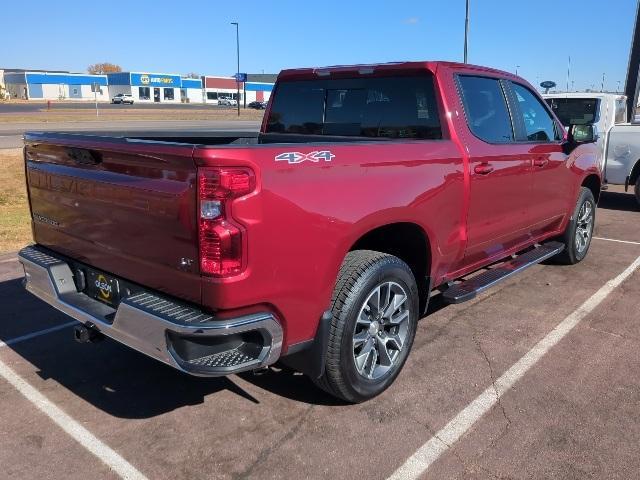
x: 619, y: 201
x: 117, y: 379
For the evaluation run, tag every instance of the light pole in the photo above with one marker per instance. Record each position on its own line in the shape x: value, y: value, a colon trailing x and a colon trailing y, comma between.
x: 466, y: 30
x: 238, y: 69
x: 517, y: 67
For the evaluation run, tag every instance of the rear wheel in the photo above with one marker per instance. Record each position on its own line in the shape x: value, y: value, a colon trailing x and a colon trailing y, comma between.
x: 577, y: 236
x: 375, y: 313
x: 637, y: 190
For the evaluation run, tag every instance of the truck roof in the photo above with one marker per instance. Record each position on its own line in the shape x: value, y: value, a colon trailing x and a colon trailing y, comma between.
x: 372, y: 68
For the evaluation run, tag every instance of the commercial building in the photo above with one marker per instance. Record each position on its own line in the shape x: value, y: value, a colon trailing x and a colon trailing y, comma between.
x: 39, y: 85
x: 142, y: 86
x: 191, y: 90
x: 146, y: 87
x: 216, y: 88
x: 259, y: 86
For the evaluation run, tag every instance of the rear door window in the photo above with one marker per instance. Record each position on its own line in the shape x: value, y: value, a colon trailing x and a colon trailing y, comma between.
x: 486, y: 109
x: 387, y: 107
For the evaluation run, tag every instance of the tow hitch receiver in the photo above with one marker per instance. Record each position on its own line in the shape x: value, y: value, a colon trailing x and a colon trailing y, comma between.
x: 84, y: 334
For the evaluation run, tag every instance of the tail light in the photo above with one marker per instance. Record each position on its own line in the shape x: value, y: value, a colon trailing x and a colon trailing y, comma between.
x: 221, y: 241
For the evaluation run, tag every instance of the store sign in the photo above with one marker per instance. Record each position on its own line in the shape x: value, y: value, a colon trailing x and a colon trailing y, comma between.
x: 146, y: 79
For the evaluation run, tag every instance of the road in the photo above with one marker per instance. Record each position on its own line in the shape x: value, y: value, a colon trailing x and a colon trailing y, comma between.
x: 102, y: 411
x: 11, y: 133
x: 55, y: 105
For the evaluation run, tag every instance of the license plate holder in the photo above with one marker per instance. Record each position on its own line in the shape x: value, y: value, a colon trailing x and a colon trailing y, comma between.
x: 103, y: 287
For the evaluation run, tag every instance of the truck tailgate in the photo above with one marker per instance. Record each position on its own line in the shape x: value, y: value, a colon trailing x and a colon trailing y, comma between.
x: 125, y: 207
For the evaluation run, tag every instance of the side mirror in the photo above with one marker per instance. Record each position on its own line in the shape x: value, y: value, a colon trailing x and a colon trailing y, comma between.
x: 579, y: 135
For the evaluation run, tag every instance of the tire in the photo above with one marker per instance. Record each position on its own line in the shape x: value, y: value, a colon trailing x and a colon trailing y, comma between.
x: 368, y: 284
x: 637, y: 190
x: 577, y: 236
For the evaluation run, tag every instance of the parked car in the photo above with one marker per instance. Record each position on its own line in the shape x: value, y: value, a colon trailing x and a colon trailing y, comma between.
x: 122, y: 98
x: 230, y: 102
x: 319, y: 241
x: 258, y: 105
x: 618, y: 141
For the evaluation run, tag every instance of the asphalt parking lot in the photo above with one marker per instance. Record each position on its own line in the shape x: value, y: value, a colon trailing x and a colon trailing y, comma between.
x: 537, y: 378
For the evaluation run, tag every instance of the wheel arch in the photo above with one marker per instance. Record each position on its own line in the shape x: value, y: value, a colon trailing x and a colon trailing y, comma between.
x: 635, y: 173
x: 410, y: 243
x: 593, y: 183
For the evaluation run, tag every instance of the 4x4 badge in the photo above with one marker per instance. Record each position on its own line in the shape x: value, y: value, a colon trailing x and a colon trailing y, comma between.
x: 298, y: 157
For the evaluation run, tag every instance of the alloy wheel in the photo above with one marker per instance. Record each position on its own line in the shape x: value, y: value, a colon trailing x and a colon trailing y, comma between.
x: 584, y: 226
x: 381, y: 330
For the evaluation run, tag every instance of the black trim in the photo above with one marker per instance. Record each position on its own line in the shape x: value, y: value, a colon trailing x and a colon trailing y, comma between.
x: 309, y: 357
x: 429, y: 283
x: 300, y: 346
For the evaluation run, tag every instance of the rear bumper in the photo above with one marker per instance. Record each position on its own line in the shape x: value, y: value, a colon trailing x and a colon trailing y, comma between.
x: 176, y: 334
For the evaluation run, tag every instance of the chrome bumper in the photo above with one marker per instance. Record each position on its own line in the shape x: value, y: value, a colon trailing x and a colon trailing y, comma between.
x: 178, y: 335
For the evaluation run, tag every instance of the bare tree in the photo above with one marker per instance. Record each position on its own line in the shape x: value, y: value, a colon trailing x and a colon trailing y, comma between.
x: 101, y: 68
x: 192, y: 75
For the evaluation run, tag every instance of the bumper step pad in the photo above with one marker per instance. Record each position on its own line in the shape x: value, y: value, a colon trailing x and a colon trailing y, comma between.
x: 468, y: 289
x: 167, y: 309
x: 228, y: 359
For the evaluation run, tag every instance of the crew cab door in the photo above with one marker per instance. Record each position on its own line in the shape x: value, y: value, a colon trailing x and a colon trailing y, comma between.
x: 538, y: 132
x: 499, y: 171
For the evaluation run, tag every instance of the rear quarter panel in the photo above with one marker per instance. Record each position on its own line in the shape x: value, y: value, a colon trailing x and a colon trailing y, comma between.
x: 304, y: 218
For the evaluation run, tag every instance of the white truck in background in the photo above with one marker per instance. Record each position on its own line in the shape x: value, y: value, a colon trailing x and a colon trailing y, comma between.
x: 618, y: 142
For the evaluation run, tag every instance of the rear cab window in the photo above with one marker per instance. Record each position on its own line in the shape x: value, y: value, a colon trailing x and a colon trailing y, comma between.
x: 395, y: 107
x: 575, y: 111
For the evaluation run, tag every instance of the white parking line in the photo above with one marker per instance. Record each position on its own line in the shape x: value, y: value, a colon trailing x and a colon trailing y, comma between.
x: 80, y: 434
x: 64, y: 421
x: 428, y: 453
x: 29, y: 336
x: 617, y: 241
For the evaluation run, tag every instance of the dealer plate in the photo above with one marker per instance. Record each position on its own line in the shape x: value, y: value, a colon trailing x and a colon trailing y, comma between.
x: 103, y: 287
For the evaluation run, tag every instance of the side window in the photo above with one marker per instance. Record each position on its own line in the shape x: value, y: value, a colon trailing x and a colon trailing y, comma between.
x: 486, y: 109
x: 538, y: 123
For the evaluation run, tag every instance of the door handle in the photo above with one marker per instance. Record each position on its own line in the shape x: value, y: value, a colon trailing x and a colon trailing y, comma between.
x: 540, y: 162
x: 483, y: 168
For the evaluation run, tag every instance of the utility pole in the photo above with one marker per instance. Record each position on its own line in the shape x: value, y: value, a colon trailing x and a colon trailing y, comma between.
x: 618, y: 89
x: 568, y: 72
x: 238, y: 65
x: 517, y: 67
x: 602, y: 84
x: 631, y: 85
x: 466, y: 31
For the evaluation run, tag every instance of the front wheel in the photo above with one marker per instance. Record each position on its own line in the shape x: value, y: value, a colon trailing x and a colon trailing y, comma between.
x: 577, y: 236
x: 375, y: 314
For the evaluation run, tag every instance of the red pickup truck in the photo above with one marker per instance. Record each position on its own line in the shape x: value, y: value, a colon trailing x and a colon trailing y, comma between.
x: 319, y: 241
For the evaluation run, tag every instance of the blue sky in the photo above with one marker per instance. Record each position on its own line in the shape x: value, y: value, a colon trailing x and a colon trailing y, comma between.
x: 195, y: 36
